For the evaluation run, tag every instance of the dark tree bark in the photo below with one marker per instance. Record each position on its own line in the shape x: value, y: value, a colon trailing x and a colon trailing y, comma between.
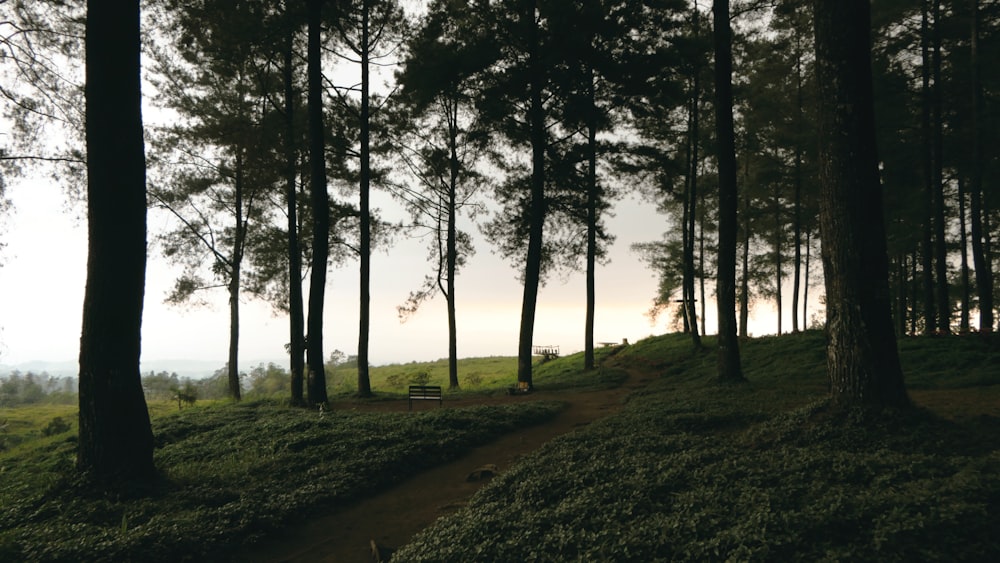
x: 927, y: 243
x: 593, y: 199
x: 981, y: 258
x: 862, y: 359
x: 797, y: 194
x: 316, y: 380
x: 943, y: 306
x: 963, y: 322
x: 729, y: 352
x: 364, y: 322
x: 296, y: 316
x: 116, y: 440
x: 451, y: 250
x: 233, y: 370
x: 536, y: 204
x: 690, y: 208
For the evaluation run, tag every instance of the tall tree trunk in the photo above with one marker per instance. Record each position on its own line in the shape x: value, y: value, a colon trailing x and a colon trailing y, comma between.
x: 235, y: 271
x: 862, y: 359
x: 903, y: 283
x: 797, y: 187
x: 452, y: 246
x: 701, y: 257
x: 296, y: 316
x: 364, y: 328
x: 937, y: 179
x: 115, y: 440
x: 779, y: 265
x: 729, y: 352
x: 593, y: 197
x: 316, y: 379
x: 927, y: 244
x: 745, y: 279
x: 981, y: 256
x: 536, y: 204
x: 963, y: 322
x: 805, y: 286
x: 690, y: 208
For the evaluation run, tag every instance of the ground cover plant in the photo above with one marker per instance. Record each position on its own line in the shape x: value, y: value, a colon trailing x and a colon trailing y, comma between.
x: 230, y: 473
x: 763, y: 471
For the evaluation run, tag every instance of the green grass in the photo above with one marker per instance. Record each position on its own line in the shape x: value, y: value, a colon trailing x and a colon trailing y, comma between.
x: 764, y: 471
x: 687, y: 471
x: 491, y: 375
x: 230, y: 473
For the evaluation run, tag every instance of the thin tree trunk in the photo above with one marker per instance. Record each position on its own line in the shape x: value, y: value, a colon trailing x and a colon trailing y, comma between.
x: 805, y: 286
x: 940, y: 207
x: 235, y: 271
x: 452, y: 249
x: 729, y: 352
x: 592, y: 201
x: 296, y: 316
x: 862, y: 358
x: 963, y: 322
x: 981, y: 256
x: 316, y: 378
x: 364, y: 328
x: 691, y: 209
x: 115, y: 438
x: 927, y: 246
x: 701, y: 257
x: 778, y: 256
x: 536, y: 205
x: 745, y: 280
x: 797, y: 195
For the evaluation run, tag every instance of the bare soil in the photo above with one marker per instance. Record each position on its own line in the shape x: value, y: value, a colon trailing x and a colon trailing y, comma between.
x: 392, y: 517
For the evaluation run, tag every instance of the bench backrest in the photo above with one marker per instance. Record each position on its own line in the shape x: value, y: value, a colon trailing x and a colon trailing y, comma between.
x: 425, y: 390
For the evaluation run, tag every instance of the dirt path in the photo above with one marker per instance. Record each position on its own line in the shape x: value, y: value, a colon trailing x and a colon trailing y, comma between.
x: 392, y: 517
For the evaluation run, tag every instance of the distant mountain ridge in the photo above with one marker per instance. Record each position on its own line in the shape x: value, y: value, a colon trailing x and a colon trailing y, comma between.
x: 184, y: 368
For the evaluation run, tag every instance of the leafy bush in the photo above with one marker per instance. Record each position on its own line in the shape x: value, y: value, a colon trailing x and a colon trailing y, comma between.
x: 420, y: 378
x: 56, y: 426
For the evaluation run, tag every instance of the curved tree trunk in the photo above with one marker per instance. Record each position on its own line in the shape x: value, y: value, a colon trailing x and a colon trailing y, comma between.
x: 862, y: 359
x: 537, y: 205
x: 316, y: 380
x: 116, y: 441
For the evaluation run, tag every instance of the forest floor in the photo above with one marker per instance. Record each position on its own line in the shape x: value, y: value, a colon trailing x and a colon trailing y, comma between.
x: 392, y: 517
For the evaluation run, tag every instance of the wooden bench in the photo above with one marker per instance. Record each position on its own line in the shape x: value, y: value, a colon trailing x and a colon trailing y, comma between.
x: 546, y: 352
x: 424, y: 393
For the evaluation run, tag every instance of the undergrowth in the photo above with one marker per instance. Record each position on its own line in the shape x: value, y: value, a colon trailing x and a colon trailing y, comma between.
x: 741, y: 473
x: 230, y: 474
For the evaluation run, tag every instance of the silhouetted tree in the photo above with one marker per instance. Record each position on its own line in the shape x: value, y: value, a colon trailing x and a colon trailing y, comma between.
x: 862, y: 358
x: 116, y: 439
x: 729, y: 352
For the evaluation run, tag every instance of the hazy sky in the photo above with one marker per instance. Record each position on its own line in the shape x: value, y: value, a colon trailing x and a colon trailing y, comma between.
x: 44, y: 272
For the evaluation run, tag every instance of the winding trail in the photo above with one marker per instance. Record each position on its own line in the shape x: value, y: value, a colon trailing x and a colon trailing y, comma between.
x: 393, y: 516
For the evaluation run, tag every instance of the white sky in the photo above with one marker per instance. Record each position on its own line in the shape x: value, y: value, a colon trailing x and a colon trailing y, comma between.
x: 43, y: 274
x: 44, y: 271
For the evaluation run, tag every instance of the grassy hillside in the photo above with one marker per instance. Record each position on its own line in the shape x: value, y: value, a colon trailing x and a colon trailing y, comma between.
x: 758, y: 472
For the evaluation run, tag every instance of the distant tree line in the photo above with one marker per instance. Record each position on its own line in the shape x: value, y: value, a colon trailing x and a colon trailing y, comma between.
x: 17, y: 389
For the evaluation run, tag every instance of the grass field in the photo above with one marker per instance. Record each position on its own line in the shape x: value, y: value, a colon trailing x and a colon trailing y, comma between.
x: 758, y: 471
